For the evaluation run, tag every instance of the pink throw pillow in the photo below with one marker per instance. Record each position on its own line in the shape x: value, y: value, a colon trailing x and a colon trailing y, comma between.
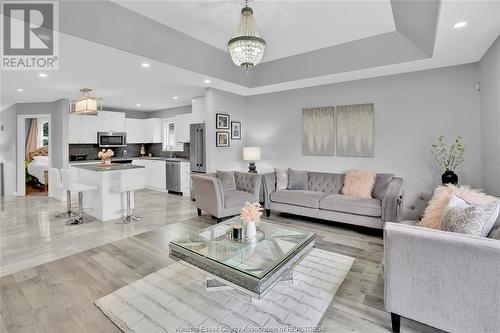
x: 359, y: 183
x: 434, y: 211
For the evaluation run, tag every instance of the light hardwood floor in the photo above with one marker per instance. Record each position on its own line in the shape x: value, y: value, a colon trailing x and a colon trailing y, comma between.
x: 65, y: 269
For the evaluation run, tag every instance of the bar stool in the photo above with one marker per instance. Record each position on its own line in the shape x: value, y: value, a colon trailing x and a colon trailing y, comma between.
x: 68, y: 181
x: 129, y: 212
x: 55, y: 176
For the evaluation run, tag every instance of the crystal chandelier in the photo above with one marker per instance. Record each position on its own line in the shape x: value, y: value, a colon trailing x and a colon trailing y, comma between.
x: 86, y: 104
x: 246, y: 47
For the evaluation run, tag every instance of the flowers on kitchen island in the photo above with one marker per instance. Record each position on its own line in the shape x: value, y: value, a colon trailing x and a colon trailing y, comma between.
x: 105, y: 156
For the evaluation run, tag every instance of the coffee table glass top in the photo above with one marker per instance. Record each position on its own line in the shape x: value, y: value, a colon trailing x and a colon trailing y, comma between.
x: 256, y: 259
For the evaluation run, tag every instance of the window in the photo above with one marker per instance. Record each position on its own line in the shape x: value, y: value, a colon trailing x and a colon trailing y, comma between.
x: 43, y: 132
x: 168, y: 137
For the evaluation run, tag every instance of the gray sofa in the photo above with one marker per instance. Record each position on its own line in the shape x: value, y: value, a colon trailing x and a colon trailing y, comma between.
x: 446, y: 280
x: 323, y: 200
x: 211, y: 197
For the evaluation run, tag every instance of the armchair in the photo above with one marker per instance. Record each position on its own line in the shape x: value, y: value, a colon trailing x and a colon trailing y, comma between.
x: 212, y: 198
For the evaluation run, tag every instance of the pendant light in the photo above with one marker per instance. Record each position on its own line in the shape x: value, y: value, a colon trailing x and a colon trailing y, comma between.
x: 86, y: 104
x: 246, y: 47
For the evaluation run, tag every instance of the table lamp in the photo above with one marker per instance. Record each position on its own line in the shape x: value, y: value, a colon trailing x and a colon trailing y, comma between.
x: 251, y: 154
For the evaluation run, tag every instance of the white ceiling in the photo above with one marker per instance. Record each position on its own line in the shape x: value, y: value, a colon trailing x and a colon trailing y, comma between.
x: 289, y: 27
x: 118, y: 77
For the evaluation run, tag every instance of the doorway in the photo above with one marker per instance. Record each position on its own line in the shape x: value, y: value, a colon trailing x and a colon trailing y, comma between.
x: 33, y: 155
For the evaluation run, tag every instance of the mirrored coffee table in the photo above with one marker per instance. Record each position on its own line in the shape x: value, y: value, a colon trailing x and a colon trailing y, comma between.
x: 252, y: 267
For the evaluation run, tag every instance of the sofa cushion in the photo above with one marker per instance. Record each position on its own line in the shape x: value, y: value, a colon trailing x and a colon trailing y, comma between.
x: 235, y: 198
x: 227, y: 179
x: 353, y: 205
x: 298, y: 198
x: 465, y: 218
x: 297, y: 179
x: 359, y: 183
x: 330, y: 183
x: 381, y: 182
x: 281, y: 178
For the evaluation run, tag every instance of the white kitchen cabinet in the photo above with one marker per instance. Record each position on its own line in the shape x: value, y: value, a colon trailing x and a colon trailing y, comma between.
x: 153, y: 130
x: 155, y: 173
x: 182, y: 124
x: 185, y: 179
x: 82, y: 129
x: 135, y: 130
x: 109, y: 121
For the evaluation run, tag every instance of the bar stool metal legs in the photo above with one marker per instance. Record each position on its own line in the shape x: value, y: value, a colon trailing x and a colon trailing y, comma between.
x: 69, y: 212
x: 129, y: 217
x: 81, y: 218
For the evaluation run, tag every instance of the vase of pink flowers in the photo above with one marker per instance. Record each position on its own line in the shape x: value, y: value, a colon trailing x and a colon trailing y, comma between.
x: 105, y: 156
x: 251, y: 213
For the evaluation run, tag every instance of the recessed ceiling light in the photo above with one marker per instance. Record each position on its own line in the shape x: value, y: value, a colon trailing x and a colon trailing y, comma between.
x: 175, y: 97
x: 138, y: 105
x: 20, y: 90
x: 42, y: 75
x: 145, y: 65
x: 460, y: 25
x: 207, y: 81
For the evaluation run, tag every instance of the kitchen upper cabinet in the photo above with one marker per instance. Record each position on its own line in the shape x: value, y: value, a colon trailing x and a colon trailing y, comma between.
x: 182, y: 124
x: 143, y: 130
x: 135, y: 130
x: 82, y: 129
x: 153, y: 130
x: 109, y: 121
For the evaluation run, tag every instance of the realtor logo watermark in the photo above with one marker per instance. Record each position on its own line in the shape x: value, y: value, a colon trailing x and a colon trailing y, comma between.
x: 30, y: 35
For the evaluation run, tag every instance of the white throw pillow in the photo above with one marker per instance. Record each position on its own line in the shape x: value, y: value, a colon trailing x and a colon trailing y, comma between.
x: 281, y: 178
x: 465, y: 218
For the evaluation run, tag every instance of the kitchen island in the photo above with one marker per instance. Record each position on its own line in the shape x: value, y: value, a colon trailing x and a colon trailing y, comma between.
x: 109, y: 201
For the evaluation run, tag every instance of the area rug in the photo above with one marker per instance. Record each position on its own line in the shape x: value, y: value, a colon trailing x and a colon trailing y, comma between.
x: 176, y: 298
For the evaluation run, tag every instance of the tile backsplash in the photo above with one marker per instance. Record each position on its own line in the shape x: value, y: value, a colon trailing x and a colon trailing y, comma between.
x: 133, y: 150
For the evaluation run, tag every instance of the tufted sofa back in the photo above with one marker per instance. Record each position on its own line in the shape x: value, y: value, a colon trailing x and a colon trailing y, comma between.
x: 325, y: 182
x: 248, y: 182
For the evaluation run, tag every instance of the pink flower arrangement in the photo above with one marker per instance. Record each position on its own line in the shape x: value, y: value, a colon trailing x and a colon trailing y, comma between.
x: 251, y: 212
x: 105, y: 154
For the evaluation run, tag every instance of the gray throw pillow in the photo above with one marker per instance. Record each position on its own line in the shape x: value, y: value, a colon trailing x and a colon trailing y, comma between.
x: 380, y: 186
x: 465, y: 218
x: 297, y: 179
x: 227, y: 180
x: 495, y: 234
x: 281, y: 179
x: 496, y: 226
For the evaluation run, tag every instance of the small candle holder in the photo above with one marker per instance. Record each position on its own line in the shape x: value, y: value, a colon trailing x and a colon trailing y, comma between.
x: 238, y: 232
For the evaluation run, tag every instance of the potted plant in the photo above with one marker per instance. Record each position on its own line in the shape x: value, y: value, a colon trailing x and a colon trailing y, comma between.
x: 448, y: 158
x: 251, y: 213
x: 105, y: 156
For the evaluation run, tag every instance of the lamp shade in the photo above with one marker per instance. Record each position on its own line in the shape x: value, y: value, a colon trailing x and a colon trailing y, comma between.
x: 251, y: 153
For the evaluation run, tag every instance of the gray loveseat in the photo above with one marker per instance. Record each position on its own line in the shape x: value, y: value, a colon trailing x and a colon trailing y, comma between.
x: 323, y: 200
x: 212, y: 197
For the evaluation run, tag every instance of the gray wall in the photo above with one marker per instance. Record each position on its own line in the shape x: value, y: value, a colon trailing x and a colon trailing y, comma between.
x: 8, y: 132
x: 489, y: 68
x: 411, y: 111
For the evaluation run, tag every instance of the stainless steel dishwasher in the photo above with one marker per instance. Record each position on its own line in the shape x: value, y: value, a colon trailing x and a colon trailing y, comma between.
x: 173, y: 176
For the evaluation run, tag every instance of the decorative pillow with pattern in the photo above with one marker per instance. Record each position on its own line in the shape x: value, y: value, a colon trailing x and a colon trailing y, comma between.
x: 281, y: 178
x: 466, y: 218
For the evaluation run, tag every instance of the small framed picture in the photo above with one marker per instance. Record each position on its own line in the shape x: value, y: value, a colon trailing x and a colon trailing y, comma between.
x: 235, y: 130
x: 221, y: 121
x: 222, y: 139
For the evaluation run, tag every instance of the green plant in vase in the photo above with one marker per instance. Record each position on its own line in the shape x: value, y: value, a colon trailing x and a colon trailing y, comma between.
x: 448, y: 158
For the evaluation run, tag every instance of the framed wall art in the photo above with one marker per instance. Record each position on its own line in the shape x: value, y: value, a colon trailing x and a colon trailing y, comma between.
x: 222, y: 139
x: 222, y: 121
x: 235, y: 130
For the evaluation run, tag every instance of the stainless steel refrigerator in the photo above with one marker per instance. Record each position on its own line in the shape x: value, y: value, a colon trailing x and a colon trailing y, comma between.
x: 197, y: 149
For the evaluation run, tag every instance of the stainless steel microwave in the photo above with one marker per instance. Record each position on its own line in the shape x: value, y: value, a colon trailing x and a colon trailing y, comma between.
x: 112, y: 139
